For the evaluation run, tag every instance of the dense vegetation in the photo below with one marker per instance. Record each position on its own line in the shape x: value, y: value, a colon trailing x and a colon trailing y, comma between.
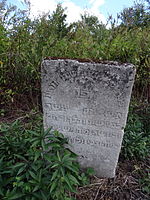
x: 24, y: 42
x: 35, y: 164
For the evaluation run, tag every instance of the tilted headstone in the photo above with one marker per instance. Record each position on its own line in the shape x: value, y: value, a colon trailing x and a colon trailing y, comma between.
x: 88, y: 102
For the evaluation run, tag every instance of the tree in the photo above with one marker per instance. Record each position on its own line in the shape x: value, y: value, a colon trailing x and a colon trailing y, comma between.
x: 91, y: 24
x: 58, y: 22
x: 136, y: 15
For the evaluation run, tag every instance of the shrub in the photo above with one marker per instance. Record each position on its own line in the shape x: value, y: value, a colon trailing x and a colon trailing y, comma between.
x: 145, y: 181
x: 36, y: 164
x: 136, y: 142
x: 25, y: 42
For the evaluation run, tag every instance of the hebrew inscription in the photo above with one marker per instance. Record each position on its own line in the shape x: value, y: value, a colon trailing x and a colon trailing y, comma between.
x: 88, y: 102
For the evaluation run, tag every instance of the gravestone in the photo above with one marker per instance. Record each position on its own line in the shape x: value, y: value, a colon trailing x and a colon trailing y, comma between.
x: 88, y: 102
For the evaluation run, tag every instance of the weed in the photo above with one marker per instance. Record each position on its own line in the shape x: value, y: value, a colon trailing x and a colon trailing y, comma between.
x: 136, y: 142
x: 36, y: 164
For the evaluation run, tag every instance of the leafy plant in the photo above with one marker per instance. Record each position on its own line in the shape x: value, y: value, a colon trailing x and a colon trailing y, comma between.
x: 25, y: 42
x: 145, y: 181
x: 36, y: 164
x: 136, y: 142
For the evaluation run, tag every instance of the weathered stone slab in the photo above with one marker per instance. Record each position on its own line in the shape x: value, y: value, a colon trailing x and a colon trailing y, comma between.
x: 88, y: 102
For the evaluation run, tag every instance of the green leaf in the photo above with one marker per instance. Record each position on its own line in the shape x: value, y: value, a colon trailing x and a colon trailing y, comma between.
x: 21, y: 169
x: 40, y: 175
x: 90, y: 171
x: 43, y: 195
x: 1, y: 192
x: 55, y: 145
x: 33, y: 175
x: 54, y: 185
x: 68, y: 183
x: 55, y: 165
x: 33, y: 133
x: 35, y: 143
x: 14, y: 195
x: 43, y: 144
x: 18, y: 165
x: 58, y: 155
x: 72, y: 168
x: 1, y: 160
x: 47, y: 132
x: 48, y: 158
x: 73, y: 179
x: 34, y: 182
x: 55, y: 175
x: 21, y: 157
x: 37, y: 195
x: 37, y: 155
x: 66, y: 158
x: 36, y: 188
x: 62, y: 171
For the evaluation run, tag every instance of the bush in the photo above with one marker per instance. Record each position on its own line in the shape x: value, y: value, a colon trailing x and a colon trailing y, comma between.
x: 145, y: 181
x: 35, y: 164
x: 25, y: 42
x: 136, y: 142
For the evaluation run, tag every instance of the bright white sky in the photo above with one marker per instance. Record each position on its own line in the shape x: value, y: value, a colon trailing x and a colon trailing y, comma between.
x: 101, y: 8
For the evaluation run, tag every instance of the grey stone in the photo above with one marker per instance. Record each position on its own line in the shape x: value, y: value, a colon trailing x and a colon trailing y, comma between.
x: 88, y: 102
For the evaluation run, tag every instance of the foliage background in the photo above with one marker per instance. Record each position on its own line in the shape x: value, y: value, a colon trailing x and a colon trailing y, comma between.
x: 25, y: 42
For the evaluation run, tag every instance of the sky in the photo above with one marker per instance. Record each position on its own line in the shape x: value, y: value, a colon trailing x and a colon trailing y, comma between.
x: 100, y: 8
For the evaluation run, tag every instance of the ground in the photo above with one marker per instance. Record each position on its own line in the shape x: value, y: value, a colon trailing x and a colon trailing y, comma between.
x: 125, y: 185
